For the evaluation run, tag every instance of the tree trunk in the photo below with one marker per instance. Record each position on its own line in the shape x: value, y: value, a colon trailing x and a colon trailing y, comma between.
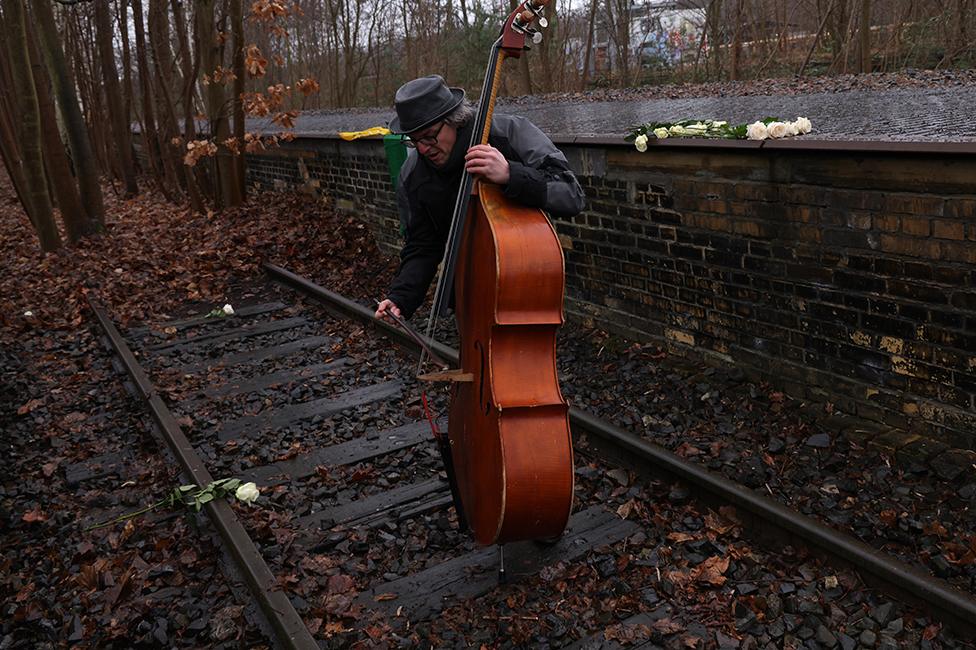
x: 169, y: 130
x: 189, y: 62
x: 121, y: 130
x: 237, y: 28
x: 76, y: 222
x: 85, y: 164
x: 38, y: 204
x: 123, y: 25
x: 865, y: 36
x: 210, y: 57
x: 150, y: 136
x: 590, y: 25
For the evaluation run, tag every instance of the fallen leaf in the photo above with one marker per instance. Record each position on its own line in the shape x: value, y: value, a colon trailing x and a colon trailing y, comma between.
x: 667, y: 626
x: 678, y: 538
x: 381, y: 597
x: 29, y: 406
x: 625, y: 509
x: 931, y: 631
x: 711, y: 570
x: 34, y: 515
x: 935, y: 528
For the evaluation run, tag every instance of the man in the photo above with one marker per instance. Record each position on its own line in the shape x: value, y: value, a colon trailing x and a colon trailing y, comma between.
x: 437, y: 123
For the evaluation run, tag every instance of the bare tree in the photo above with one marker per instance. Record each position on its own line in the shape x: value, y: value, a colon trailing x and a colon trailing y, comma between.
x: 74, y: 122
x: 38, y: 202
x: 121, y: 129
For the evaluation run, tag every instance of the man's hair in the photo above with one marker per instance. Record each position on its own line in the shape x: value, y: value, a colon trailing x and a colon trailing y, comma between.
x: 461, y: 115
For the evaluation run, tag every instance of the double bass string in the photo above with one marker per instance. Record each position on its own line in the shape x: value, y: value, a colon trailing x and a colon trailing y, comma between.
x: 445, y: 279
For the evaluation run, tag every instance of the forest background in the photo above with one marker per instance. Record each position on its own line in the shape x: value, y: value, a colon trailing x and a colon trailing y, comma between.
x: 180, y: 79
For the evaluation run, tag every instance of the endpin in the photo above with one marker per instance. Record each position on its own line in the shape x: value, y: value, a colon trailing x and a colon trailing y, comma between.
x: 502, y: 576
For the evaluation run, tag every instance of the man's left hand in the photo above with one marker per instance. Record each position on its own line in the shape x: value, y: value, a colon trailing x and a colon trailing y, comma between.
x: 488, y: 163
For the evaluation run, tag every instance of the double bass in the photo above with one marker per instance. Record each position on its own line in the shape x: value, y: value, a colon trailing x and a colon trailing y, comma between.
x: 508, y: 426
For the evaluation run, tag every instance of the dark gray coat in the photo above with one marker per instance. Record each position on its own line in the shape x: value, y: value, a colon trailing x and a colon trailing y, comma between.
x: 539, y: 177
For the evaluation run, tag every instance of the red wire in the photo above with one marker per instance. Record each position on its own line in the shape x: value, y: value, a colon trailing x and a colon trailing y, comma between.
x: 430, y: 417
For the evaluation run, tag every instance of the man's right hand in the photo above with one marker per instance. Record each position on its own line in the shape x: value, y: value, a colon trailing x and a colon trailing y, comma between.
x: 387, y: 306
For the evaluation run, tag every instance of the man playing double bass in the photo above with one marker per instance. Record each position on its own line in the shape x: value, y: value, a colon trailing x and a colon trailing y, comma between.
x: 437, y: 123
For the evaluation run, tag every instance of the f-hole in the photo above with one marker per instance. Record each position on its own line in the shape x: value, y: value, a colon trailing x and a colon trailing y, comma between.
x: 482, y: 372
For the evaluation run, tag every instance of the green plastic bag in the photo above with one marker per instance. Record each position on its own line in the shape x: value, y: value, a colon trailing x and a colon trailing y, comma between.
x: 396, y: 154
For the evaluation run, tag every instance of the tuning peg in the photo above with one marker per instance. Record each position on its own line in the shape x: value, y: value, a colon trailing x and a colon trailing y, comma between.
x: 536, y: 35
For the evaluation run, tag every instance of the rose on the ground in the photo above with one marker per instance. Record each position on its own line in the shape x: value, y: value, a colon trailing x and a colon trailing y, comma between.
x: 248, y: 493
x: 640, y: 142
x: 228, y: 309
x: 661, y: 132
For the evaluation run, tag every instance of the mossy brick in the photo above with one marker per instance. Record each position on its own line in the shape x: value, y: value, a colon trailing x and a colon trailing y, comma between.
x: 943, y: 229
x: 920, y: 451
x: 955, y: 464
x: 891, y: 441
x: 915, y: 204
x: 960, y: 208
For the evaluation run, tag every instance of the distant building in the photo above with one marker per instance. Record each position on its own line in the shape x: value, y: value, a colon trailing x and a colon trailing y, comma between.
x: 662, y: 33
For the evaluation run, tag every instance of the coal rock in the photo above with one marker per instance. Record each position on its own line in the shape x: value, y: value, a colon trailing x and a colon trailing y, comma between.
x: 895, y: 627
x: 725, y: 642
x: 882, y: 613
x: 846, y: 642
x: 825, y: 638
x: 776, y: 445
x: 747, y: 623
x: 679, y: 494
x: 650, y: 596
x: 606, y: 567
x: 818, y: 440
x: 888, y: 643
x: 868, y: 638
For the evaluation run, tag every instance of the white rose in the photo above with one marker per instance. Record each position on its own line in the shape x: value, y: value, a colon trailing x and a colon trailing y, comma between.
x: 778, y: 129
x: 803, y: 125
x: 757, y: 131
x: 28, y: 313
x: 641, y: 142
x: 793, y: 129
x: 677, y: 130
x: 228, y: 310
x: 248, y: 493
x: 719, y: 123
x: 661, y: 132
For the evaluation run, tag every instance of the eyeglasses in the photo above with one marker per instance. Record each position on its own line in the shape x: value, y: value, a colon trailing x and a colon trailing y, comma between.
x: 427, y: 140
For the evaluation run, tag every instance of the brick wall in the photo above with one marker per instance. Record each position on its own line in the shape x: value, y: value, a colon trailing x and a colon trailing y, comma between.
x: 840, y: 277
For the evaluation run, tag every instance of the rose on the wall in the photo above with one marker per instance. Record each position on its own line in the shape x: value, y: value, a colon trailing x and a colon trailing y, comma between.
x: 757, y: 131
x: 769, y: 127
x: 778, y: 129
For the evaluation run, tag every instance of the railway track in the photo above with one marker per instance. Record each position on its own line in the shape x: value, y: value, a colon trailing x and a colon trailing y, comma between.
x: 357, y: 542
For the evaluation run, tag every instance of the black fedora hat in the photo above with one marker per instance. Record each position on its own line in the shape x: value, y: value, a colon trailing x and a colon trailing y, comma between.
x: 421, y: 102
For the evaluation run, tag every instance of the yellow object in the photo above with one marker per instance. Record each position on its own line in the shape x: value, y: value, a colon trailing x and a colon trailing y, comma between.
x: 355, y: 135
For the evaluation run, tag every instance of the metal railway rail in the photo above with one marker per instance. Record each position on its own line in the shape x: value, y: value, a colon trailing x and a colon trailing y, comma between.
x: 227, y: 357
x: 910, y: 584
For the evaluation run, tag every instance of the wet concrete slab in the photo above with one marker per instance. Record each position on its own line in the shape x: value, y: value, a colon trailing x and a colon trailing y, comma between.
x: 910, y: 114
